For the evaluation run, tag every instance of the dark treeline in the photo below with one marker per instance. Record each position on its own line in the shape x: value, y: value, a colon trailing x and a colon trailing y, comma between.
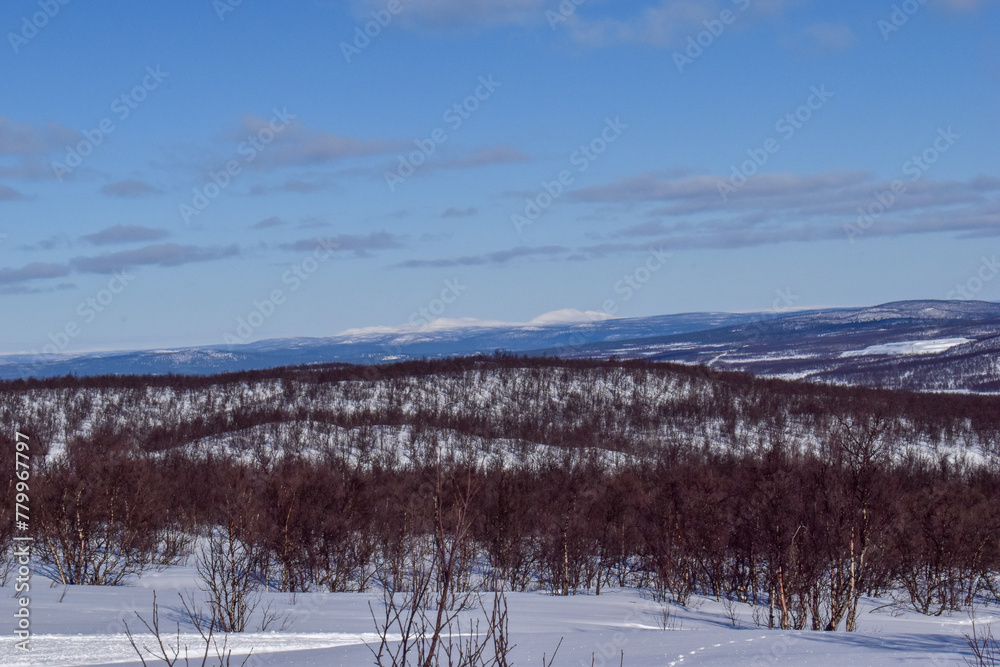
x: 555, y: 476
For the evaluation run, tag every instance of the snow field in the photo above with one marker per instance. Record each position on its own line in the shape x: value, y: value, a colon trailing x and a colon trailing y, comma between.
x: 83, y: 625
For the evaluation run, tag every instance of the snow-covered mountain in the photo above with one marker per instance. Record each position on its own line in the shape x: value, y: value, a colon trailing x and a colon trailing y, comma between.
x: 441, y: 338
x: 923, y: 345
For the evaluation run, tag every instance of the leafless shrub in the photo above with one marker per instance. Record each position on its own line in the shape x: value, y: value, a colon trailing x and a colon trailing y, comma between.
x: 421, y: 625
x: 410, y: 633
x: 170, y: 648
x: 985, y: 648
x: 731, y: 611
x: 758, y: 617
x: 667, y: 619
x: 229, y: 572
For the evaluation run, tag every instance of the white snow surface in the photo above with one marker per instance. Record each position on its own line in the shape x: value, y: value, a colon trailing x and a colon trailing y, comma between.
x: 563, y: 316
x: 909, y: 347
x: 83, y: 625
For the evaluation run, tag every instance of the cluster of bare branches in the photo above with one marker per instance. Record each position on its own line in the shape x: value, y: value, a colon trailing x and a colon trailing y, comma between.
x: 101, y: 512
x: 170, y: 648
x: 228, y: 571
x: 984, y: 647
x: 421, y: 622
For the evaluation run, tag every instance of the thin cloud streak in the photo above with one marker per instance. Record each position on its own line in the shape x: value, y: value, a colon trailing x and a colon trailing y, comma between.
x: 164, y: 255
x: 125, y: 234
x: 498, y: 257
x: 360, y: 245
x: 691, y: 211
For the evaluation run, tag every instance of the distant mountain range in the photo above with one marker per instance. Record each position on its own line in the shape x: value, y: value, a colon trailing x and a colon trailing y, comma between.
x: 918, y: 345
x: 921, y: 345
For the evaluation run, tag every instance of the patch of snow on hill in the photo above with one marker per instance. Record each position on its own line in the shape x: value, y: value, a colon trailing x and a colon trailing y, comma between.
x: 909, y: 347
x: 570, y: 316
x: 564, y: 316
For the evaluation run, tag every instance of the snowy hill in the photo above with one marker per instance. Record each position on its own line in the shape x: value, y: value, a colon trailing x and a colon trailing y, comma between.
x: 917, y: 345
x: 633, y: 509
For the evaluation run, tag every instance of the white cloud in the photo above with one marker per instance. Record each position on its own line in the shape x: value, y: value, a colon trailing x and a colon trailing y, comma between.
x: 300, y: 145
x: 963, y: 5
x: 459, y: 14
x: 830, y: 36
x: 666, y: 24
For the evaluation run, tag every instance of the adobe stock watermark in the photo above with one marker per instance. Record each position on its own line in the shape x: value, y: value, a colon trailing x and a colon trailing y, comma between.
x: 21, y: 551
x: 580, y: 159
x: 900, y: 16
x: 433, y: 310
x: 987, y: 271
x: 786, y: 127
x: 363, y: 35
x: 776, y: 653
x: 86, y: 311
x: 218, y: 180
x: 915, y: 168
x: 784, y: 302
x: 121, y: 108
x: 627, y: 287
x: 696, y: 44
x: 294, y: 277
x: 223, y: 7
x: 454, y: 117
x: 31, y: 25
x: 562, y: 13
x: 633, y: 282
x: 609, y: 652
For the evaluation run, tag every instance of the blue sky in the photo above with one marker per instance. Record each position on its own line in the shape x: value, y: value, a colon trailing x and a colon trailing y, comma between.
x: 169, y: 169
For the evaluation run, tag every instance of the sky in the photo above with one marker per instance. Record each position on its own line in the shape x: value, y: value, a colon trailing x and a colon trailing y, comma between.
x: 220, y: 171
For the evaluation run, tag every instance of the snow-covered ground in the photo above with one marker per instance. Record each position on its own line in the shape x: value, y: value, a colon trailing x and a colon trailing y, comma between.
x: 909, y: 347
x: 82, y: 625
